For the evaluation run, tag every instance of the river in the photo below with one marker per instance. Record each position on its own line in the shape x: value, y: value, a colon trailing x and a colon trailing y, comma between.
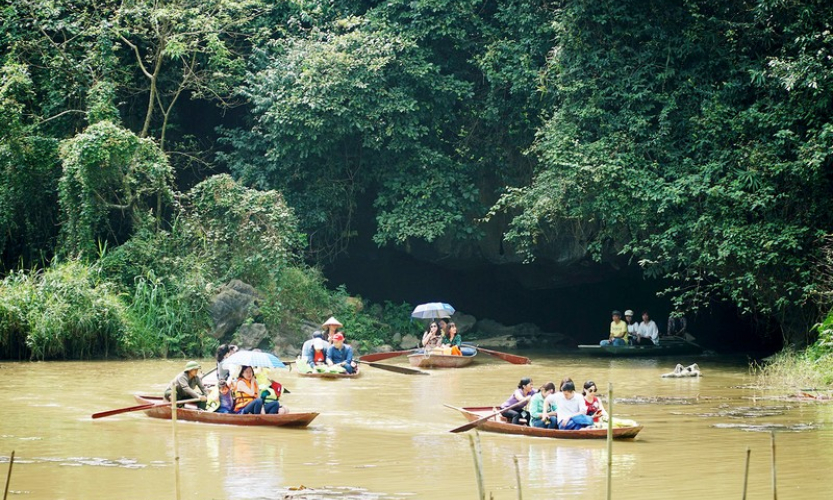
x: 384, y: 435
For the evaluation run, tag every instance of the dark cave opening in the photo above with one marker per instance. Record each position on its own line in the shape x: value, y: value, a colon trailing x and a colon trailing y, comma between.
x: 581, y: 311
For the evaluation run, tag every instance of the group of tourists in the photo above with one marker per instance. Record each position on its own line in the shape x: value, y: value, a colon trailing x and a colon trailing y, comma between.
x: 243, y: 390
x: 630, y: 332
x: 547, y: 408
x: 330, y: 354
x: 442, y: 334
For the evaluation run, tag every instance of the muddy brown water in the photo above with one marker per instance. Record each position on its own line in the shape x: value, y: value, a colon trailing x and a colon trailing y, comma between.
x: 385, y: 435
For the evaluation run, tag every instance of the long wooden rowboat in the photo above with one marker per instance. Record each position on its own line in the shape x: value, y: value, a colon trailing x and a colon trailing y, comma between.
x: 435, y: 360
x: 497, y: 425
x: 208, y: 417
x: 666, y: 347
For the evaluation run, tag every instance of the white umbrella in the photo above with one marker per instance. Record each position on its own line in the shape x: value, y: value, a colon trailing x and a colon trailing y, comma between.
x: 433, y: 310
x: 253, y: 359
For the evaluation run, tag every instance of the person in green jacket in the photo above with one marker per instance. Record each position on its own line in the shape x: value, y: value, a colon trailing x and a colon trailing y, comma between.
x: 185, y: 383
x: 453, y: 339
x: 540, y: 418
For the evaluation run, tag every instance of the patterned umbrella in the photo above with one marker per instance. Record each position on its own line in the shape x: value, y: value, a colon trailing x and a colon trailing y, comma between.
x: 253, y: 358
x: 433, y: 310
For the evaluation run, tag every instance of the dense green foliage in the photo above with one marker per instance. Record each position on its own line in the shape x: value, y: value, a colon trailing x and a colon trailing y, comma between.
x: 693, y: 138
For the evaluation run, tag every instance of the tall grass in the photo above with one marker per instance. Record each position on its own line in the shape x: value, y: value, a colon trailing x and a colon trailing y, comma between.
x: 62, y: 312
x: 810, y: 368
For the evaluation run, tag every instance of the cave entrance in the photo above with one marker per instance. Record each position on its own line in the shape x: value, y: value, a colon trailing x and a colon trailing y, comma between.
x: 580, y: 310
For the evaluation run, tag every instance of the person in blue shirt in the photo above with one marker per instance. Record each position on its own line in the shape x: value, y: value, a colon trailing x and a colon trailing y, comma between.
x: 340, y: 354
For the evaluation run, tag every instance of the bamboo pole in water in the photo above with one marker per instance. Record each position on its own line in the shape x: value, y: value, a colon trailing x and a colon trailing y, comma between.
x: 176, y: 443
x: 9, y: 476
x: 609, y: 440
x: 746, y: 474
x: 518, y: 477
x: 478, y: 466
x: 774, y: 489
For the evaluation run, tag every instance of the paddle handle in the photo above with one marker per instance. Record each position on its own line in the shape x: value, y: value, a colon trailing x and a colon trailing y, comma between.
x: 147, y: 406
x: 475, y: 423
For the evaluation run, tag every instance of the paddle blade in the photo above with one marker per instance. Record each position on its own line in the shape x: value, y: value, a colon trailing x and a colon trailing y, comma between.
x: 379, y: 356
x: 397, y: 369
x: 511, y: 358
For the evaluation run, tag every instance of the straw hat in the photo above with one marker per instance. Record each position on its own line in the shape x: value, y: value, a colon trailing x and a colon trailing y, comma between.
x: 332, y: 321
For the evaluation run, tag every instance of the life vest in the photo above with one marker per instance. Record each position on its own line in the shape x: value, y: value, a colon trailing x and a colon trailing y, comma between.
x: 272, y: 392
x: 241, y: 399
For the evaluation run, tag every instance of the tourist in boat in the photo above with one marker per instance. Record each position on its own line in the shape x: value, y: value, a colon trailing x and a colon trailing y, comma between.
x: 220, y: 399
x: 223, y: 352
x: 618, y: 331
x: 307, y: 350
x: 632, y: 324
x: 595, y: 409
x: 271, y: 394
x: 538, y: 408
x: 331, y: 326
x: 647, y: 332
x: 524, y: 392
x: 247, y: 393
x: 677, y: 326
x: 433, y: 337
x: 453, y: 339
x: 319, y: 351
x: 340, y: 354
x: 185, y: 383
x: 550, y: 405
x: 572, y: 409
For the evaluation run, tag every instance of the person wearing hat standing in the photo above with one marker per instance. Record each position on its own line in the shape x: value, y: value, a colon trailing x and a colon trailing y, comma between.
x: 331, y: 326
x: 618, y: 331
x: 340, y: 354
x: 185, y: 383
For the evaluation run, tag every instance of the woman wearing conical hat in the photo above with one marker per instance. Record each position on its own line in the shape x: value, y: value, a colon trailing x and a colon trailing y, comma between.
x: 331, y: 326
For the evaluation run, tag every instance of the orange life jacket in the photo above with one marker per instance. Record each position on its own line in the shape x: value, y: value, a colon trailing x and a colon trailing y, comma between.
x: 241, y: 399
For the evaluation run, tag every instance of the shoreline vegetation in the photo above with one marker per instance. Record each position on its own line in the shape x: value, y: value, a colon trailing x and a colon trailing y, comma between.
x: 806, y: 370
x: 151, y: 153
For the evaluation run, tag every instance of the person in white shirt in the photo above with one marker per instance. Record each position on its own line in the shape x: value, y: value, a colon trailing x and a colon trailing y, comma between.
x: 647, y: 332
x: 631, y: 325
x: 572, y: 409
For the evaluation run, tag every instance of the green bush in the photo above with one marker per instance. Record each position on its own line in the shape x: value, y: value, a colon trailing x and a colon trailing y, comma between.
x: 63, y: 312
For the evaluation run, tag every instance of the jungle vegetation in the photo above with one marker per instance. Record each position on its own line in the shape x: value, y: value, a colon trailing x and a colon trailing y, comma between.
x: 152, y: 150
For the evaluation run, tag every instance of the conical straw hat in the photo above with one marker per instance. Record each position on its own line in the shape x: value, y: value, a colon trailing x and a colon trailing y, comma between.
x: 332, y: 321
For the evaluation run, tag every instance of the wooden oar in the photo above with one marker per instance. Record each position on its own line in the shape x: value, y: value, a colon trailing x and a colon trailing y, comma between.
x: 379, y: 356
x: 393, y: 368
x: 511, y: 358
x: 148, y: 406
x: 475, y: 423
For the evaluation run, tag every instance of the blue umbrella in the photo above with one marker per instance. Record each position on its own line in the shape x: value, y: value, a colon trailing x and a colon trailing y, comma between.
x: 433, y: 310
x: 253, y: 358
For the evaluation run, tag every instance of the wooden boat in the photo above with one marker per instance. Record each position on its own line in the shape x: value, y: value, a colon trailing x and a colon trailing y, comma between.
x: 208, y: 417
x: 499, y: 425
x: 330, y: 375
x: 668, y: 346
x: 433, y: 359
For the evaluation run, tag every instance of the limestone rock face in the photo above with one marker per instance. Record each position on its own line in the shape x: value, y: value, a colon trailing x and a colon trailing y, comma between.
x: 250, y: 336
x: 490, y: 333
x: 409, y: 342
x: 231, y: 306
x: 464, y: 322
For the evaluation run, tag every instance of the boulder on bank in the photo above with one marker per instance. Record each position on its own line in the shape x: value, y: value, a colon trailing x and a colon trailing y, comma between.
x: 250, y: 336
x: 231, y: 307
x: 409, y: 342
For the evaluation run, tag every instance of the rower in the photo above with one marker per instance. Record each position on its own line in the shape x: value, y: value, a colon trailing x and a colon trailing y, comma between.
x: 185, y: 383
x: 340, y: 354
